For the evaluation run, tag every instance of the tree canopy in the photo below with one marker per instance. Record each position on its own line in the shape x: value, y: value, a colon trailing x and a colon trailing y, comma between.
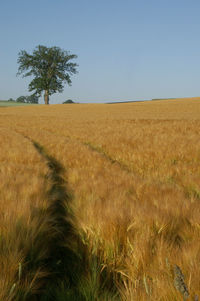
x: 21, y: 99
x: 50, y: 67
x: 28, y: 99
x: 68, y: 101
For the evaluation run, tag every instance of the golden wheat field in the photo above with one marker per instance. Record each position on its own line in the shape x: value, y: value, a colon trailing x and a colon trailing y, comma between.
x: 100, y: 201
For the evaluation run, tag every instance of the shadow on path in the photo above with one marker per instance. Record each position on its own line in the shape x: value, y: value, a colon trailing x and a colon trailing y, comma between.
x: 55, y: 261
x: 57, y: 265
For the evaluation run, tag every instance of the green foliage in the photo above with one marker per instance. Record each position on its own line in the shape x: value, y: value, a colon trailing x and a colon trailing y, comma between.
x: 68, y: 101
x: 32, y: 98
x: 28, y: 99
x: 50, y: 68
x: 21, y: 99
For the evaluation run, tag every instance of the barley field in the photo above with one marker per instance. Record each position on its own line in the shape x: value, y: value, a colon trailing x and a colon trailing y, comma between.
x: 100, y: 202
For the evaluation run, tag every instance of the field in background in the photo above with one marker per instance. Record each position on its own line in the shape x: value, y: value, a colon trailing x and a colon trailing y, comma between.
x: 12, y: 104
x: 100, y: 202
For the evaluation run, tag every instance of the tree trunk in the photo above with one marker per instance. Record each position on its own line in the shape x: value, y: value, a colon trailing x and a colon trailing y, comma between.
x: 46, y: 97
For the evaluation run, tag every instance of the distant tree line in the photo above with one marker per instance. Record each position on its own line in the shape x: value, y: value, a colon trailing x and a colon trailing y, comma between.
x: 26, y: 99
x: 34, y: 99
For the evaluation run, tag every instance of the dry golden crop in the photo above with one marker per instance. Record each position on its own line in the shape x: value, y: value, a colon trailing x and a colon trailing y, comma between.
x: 100, y: 201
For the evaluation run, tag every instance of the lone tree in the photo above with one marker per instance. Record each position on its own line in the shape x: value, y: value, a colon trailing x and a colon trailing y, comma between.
x: 50, y: 67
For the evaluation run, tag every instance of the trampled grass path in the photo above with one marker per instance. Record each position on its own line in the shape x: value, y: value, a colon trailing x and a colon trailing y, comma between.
x: 63, y: 260
x: 99, y: 150
x: 71, y: 272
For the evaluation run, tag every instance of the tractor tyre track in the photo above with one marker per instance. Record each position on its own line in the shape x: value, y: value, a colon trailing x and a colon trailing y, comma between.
x: 105, y: 155
x: 63, y: 254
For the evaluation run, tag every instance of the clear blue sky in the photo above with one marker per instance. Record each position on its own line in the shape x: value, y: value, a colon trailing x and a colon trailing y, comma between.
x: 127, y: 49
